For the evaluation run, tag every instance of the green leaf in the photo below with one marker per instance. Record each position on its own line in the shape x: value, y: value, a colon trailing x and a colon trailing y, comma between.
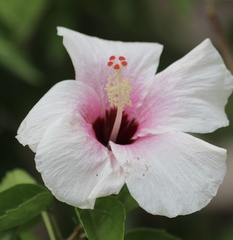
x: 22, y: 16
x: 14, y: 177
x: 22, y: 203
x: 128, y: 201
x: 148, y: 234
x: 14, y: 60
x: 29, y: 225
x: 106, y: 221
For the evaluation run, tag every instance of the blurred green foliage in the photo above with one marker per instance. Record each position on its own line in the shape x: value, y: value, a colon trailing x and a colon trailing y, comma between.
x: 22, y: 16
x: 148, y: 234
x: 18, y: 22
x: 32, y: 59
x: 183, y: 6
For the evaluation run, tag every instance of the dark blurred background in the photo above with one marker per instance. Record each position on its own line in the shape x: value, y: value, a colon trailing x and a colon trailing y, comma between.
x: 32, y: 59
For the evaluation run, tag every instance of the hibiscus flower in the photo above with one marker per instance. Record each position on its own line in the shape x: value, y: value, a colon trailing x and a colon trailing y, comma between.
x: 119, y: 123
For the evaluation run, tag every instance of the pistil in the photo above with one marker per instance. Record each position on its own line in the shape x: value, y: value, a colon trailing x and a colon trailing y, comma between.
x: 116, y: 126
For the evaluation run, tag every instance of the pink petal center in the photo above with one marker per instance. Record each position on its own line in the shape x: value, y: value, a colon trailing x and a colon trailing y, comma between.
x: 103, y: 128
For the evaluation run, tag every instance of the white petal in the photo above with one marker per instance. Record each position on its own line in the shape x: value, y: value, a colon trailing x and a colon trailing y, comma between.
x: 65, y: 97
x: 190, y: 95
x: 171, y: 174
x: 74, y: 165
x: 109, y: 183
x: 90, y: 56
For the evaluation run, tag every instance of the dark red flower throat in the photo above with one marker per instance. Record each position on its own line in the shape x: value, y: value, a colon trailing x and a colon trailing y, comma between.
x: 103, y: 128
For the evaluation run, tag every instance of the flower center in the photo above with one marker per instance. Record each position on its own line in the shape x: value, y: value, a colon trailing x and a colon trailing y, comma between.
x: 118, y: 91
x: 103, y: 127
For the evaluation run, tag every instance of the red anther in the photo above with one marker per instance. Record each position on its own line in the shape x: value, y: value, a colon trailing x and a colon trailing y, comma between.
x: 117, y: 66
x: 124, y: 63
x: 110, y: 64
x: 121, y: 58
x: 112, y: 58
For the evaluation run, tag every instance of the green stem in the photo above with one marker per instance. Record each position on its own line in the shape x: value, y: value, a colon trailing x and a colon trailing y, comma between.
x: 72, y: 236
x: 55, y: 226
x: 48, y: 225
x: 77, y: 233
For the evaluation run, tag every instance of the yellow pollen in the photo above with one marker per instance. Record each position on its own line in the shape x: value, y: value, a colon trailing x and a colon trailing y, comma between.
x: 118, y: 90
